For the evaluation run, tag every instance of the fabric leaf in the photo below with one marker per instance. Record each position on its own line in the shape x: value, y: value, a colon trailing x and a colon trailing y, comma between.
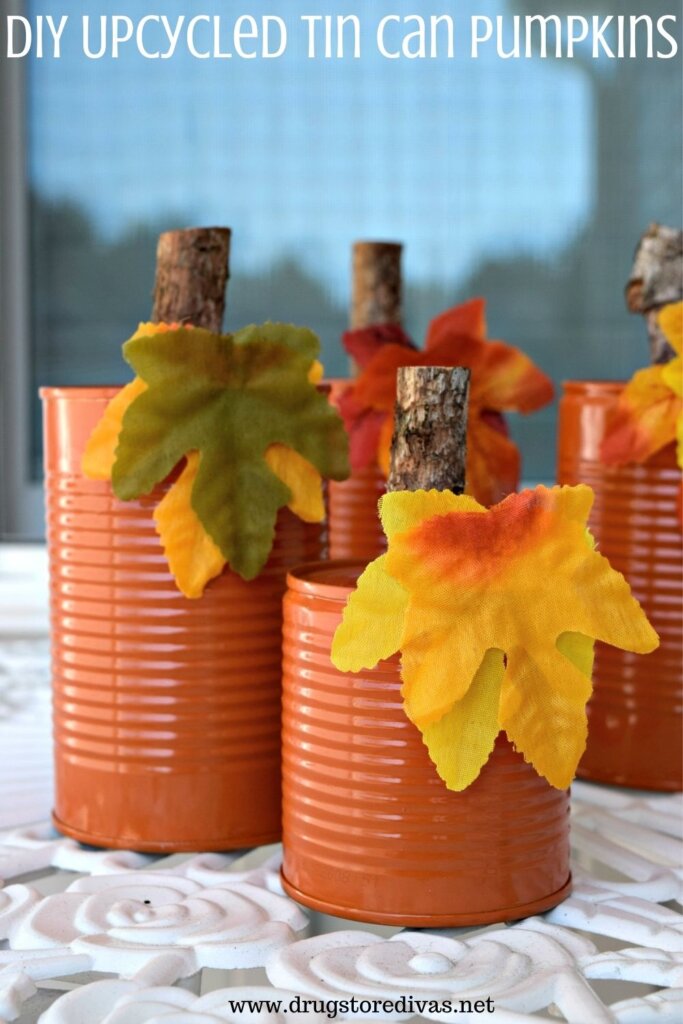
x: 229, y: 398
x: 649, y: 412
x: 365, y: 342
x: 460, y: 743
x: 192, y: 556
x: 406, y: 509
x: 100, y: 451
x: 503, y: 379
x: 199, y: 390
x: 378, y: 599
x: 468, y: 320
x: 303, y: 480
x: 522, y: 579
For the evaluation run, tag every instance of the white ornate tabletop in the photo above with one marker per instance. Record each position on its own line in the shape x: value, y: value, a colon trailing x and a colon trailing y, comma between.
x: 100, y: 937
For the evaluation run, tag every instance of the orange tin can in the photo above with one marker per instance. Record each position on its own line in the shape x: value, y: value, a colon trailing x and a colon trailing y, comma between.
x: 635, y: 716
x: 370, y: 831
x: 166, y: 710
x: 355, y: 530
x: 354, y: 524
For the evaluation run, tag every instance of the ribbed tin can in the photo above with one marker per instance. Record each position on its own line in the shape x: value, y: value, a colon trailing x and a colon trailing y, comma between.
x: 635, y: 716
x: 166, y: 710
x: 370, y: 831
x: 354, y: 528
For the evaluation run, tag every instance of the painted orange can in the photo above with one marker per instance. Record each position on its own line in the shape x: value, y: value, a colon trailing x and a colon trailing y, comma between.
x: 166, y: 710
x: 354, y: 525
x: 370, y: 832
x: 354, y: 528
x: 635, y: 716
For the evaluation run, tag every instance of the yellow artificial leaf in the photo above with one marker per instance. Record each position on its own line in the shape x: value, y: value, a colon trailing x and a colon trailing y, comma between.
x: 460, y: 743
x: 672, y: 377
x: 377, y: 599
x: 522, y: 578
x: 192, y: 556
x: 100, y: 450
x: 579, y: 649
x: 671, y: 323
x: 303, y: 479
x: 401, y: 510
x: 316, y: 372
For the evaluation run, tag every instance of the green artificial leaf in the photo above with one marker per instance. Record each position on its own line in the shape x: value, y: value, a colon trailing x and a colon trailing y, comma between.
x: 228, y: 397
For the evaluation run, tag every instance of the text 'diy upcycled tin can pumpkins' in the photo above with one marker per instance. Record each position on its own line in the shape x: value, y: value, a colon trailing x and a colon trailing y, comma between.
x: 636, y: 712
x: 167, y: 703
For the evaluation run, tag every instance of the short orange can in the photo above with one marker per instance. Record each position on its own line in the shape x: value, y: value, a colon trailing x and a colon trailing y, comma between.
x: 370, y: 831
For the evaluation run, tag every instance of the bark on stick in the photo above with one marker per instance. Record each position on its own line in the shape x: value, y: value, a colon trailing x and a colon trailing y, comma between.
x: 656, y: 280
x: 191, y: 277
x: 430, y: 436
x: 377, y: 284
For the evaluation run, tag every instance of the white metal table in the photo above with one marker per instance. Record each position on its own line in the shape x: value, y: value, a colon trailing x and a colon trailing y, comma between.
x: 101, y: 937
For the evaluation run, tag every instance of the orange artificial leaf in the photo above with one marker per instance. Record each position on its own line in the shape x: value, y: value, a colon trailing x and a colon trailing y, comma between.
x: 503, y: 379
x: 467, y: 320
x: 386, y: 436
x: 644, y: 420
x: 493, y: 462
x: 649, y: 413
x: 507, y: 380
x: 498, y: 609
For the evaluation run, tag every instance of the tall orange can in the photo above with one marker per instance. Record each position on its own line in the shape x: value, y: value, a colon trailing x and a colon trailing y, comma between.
x: 355, y: 530
x: 635, y: 716
x: 370, y: 831
x: 166, y: 710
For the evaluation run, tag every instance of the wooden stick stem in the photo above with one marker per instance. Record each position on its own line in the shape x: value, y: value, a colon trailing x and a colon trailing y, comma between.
x: 191, y: 277
x: 377, y: 284
x: 430, y: 437
x: 656, y: 280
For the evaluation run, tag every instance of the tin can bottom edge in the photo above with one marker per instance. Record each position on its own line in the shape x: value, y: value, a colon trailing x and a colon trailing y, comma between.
x: 166, y: 846
x: 451, y: 920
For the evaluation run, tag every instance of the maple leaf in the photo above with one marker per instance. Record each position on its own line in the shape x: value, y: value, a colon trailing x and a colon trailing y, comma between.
x: 495, y: 612
x: 502, y: 379
x: 363, y: 343
x: 193, y: 557
x: 649, y: 412
x: 230, y: 404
